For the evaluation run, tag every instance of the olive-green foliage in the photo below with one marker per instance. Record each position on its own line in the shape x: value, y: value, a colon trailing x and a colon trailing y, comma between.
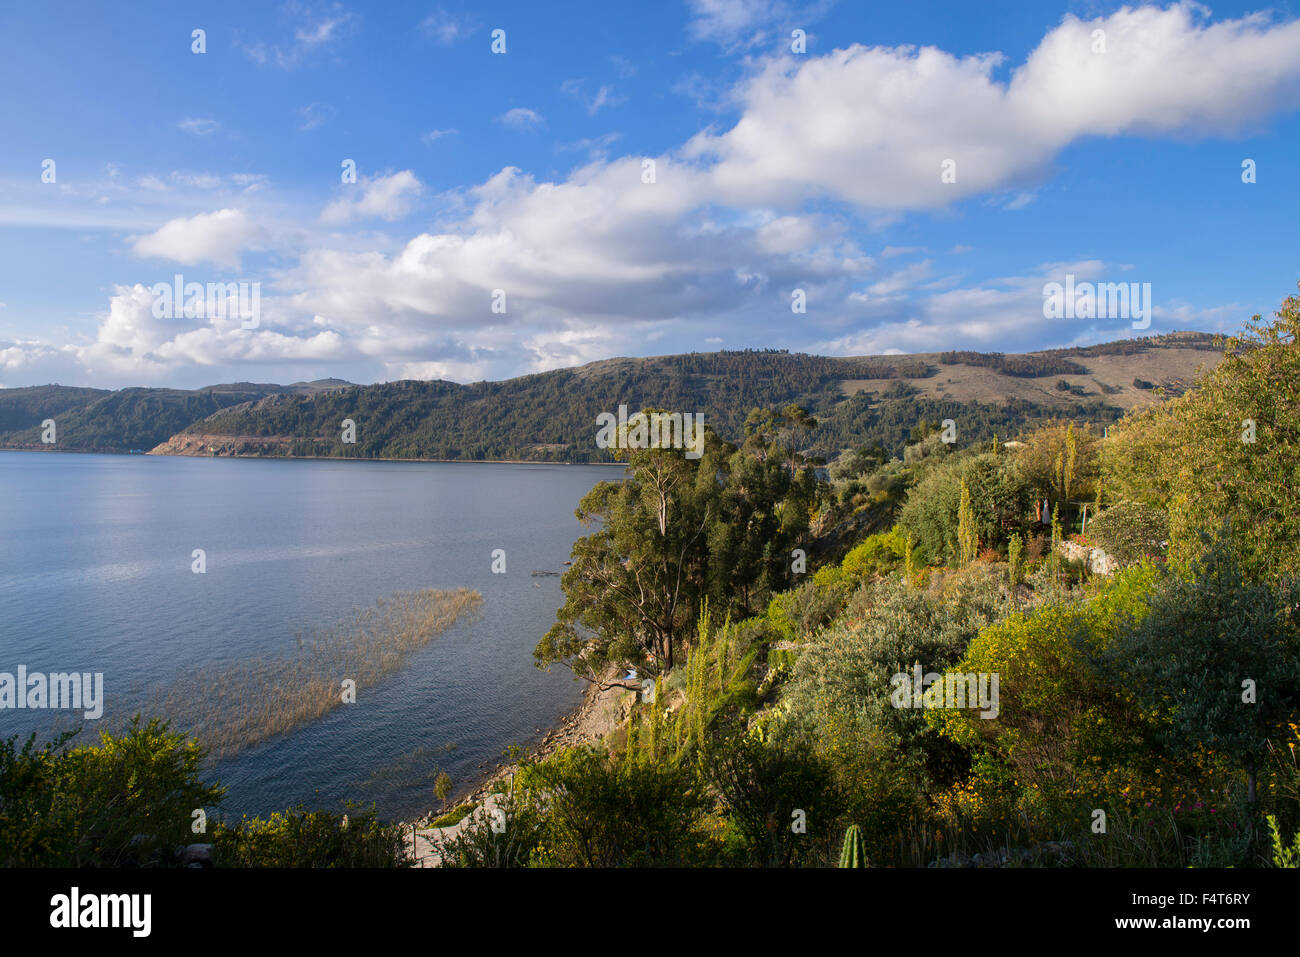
x: 1060, y: 461
x: 892, y: 420
x: 1062, y: 725
x: 675, y: 533
x: 1283, y: 854
x: 795, y: 614
x: 930, y: 513
x: 1015, y: 548
x: 609, y: 810
x: 442, y: 787
x: 1130, y: 531
x: 1218, y: 654
x: 867, y: 478
x: 717, y: 684
x: 455, y: 815
x: 886, y: 629
x: 968, y: 542
x: 853, y: 463
x: 927, y: 449
x: 304, y: 838
x: 876, y: 555
x: 1225, y: 452
x: 999, y: 504
x: 757, y: 501
x: 781, y: 797
x: 839, y: 695
x: 126, y: 801
x: 508, y: 838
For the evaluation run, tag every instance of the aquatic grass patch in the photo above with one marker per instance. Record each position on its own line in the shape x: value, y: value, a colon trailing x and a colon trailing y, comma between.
x: 233, y: 707
x: 421, y: 768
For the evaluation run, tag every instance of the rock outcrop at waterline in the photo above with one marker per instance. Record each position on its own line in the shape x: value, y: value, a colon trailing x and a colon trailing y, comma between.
x: 189, y: 443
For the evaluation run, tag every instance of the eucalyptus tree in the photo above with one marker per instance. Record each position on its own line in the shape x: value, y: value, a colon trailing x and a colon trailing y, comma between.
x: 675, y: 530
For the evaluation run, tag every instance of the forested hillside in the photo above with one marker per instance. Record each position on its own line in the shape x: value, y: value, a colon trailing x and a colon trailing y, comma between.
x: 97, y: 420
x: 23, y: 408
x: 551, y: 416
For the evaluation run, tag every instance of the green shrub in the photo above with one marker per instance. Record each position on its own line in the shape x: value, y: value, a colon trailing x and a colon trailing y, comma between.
x: 886, y: 759
x: 782, y: 799
x: 1064, y: 730
x: 302, y: 838
x: 510, y: 837
x: 605, y: 810
x: 877, y: 555
x: 1130, y: 531
x: 127, y: 801
x: 1284, y: 855
x: 455, y: 815
x: 795, y: 614
x: 1219, y: 656
x: 999, y: 502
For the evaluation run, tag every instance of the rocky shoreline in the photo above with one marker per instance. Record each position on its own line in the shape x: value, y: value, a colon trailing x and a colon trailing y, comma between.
x: 201, y: 445
x: 596, y: 716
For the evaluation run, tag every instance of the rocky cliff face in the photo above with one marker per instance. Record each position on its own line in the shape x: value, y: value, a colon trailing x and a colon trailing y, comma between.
x: 1098, y: 562
x: 187, y: 443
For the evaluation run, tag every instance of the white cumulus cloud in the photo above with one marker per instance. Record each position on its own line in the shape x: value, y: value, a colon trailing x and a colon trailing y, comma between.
x: 219, y: 237
x: 382, y: 197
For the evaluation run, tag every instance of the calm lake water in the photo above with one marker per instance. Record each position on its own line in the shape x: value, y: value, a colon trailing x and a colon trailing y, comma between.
x: 95, y: 576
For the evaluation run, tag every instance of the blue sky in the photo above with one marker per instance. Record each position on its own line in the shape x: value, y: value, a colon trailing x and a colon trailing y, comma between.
x: 524, y: 172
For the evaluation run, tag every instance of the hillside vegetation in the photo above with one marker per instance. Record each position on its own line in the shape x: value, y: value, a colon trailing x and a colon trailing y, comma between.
x: 97, y: 420
x: 551, y: 416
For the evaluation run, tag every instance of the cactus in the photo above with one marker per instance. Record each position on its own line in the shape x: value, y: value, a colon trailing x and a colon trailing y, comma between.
x: 854, y: 852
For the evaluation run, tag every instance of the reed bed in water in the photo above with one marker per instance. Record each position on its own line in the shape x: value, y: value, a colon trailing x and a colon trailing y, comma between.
x: 229, y: 708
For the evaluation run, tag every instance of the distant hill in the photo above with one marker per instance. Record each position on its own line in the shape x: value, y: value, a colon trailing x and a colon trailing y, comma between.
x: 22, y: 408
x: 551, y: 416
x: 97, y: 420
